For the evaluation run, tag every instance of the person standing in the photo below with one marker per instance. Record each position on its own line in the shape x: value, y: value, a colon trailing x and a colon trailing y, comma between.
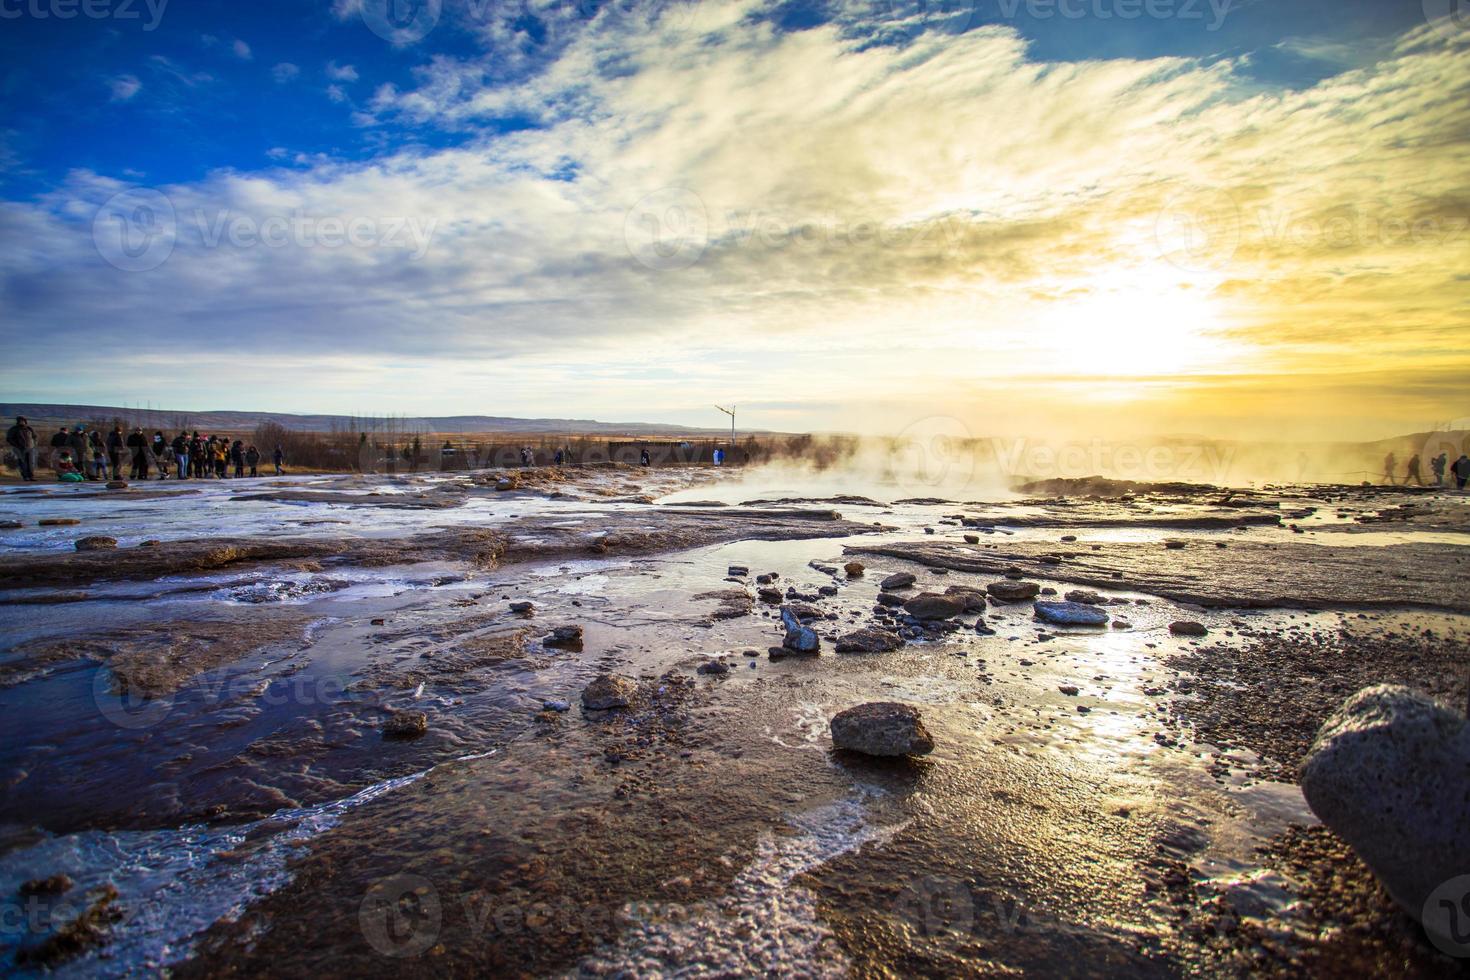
x: 115, y: 450
x: 1461, y: 469
x: 643, y: 458
x: 221, y: 457
x: 181, y: 455
x: 278, y: 457
x: 139, y: 448
x: 1412, y: 472
x: 1390, y: 463
x: 81, y: 451
x: 22, y: 438
x: 252, y: 459
x: 1438, y: 464
x: 237, y: 456
x: 197, y: 462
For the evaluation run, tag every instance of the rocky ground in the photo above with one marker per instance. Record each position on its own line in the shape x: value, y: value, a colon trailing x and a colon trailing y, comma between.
x: 560, y: 722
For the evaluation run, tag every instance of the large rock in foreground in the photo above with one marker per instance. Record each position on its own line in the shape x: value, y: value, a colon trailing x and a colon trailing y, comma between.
x: 802, y: 639
x: 608, y: 691
x: 882, y: 728
x: 869, y: 639
x: 932, y: 605
x: 1389, y: 772
x: 1009, y: 591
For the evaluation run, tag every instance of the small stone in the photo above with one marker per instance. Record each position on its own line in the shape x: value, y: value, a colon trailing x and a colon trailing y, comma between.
x: 608, y: 691
x: 1070, y: 690
x: 1185, y: 627
x: 524, y: 607
x: 564, y: 636
x: 716, y: 667
x: 96, y: 542
x: 1175, y: 544
x: 737, y: 571
x: 882, y: 728
x: 890, y: 599
x: 1069, y: 538
x: 898, y: 580
x: 972, y: 539
x: 770, y: 594
x: 54, y: 885
x: 1084, y: 596
x: 869, y: 640
x: 405, y: 725
x: 117, y: 484
x: 57, y: 521
x: 854, y: 569
x: 556, y: 705
x: 799, y: 638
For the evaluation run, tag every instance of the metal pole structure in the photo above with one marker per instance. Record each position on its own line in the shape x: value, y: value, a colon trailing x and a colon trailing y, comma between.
x: 730, y: 412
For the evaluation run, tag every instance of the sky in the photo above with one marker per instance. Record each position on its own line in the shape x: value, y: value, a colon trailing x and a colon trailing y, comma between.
x: 1229, y: 217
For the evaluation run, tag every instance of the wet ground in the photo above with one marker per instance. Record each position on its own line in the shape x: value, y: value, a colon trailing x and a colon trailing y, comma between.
x: 194, y: 737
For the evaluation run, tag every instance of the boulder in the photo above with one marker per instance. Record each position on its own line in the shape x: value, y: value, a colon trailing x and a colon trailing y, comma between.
x: 405, y: 725
x: 890, y: 599
x: 1013, y: 591
x: 608, y: 691
x: 57, y: 522
x: 117, y: 484
x: 972, y: 539
x: 869, y: 639
x: 1185, y: 627
x: 770, y: 594
x: 898, y: 580
x: 884, y: 728
x: 801, y: 639
x: 854, y: 569
x: 523, y: 607
x: 1070, y: 613
x: 1389, y: 773
x: 717, y: 667
x: 737, y: 571
x: 1084, y: 596
x: 932, y: 605
x: 96, y: 542
x: 971, y: 598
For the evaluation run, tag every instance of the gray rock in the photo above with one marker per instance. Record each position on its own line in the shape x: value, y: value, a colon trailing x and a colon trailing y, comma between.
x: 898, y: 580
x: 1186, y: 627
x: 884, y: 728
x: 564, y: 636
x: 739, y: 571
x: 1389, y: 772
x: 890, y: 599
x: 716, y: 667
x: 1084, y: 596
x: 1070, y: 614
x: 854, y: 569
x: 556, y: 705
x: 932, y: 605
x: 770, y: 594
x: 802, y: 639
x: 96, y: 542
x: 972, y: 539
x: 405, y: 725
x: 869, y: 640
x: 608, y: 691
x: 1013, y: 591
x: 522, y: 607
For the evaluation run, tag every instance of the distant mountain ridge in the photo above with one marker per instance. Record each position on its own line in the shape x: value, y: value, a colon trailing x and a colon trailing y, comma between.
x: 241, y: 421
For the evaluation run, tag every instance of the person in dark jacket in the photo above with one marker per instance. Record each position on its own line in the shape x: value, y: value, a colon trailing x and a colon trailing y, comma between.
x: 196, y: 455
x: 237, y: 456
x: 21, y: 438
x: 180, y: 447
x: 81, y: 450
x: 139, y: 448
x: 278, y: 457
x: 98, y: 451
x: 1461, y: 469
x: 115, y: 450
x: 252, y: 460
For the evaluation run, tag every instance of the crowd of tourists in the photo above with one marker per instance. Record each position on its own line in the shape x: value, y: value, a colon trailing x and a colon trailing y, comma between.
x: 78, y: 454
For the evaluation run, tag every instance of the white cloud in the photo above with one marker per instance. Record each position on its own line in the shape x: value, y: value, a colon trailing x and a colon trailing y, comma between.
x: 869, y: 223
x: 341, y: 73
x: 241, y: 50
x: 284, y: 72
x: 124, y: 87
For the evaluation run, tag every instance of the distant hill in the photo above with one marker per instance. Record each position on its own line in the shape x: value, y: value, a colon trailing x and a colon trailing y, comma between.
x: 55, y: 415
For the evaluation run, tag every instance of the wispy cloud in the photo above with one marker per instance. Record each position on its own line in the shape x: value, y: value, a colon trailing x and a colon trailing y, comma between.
x: 124, y: 87
x: 284, y: 72
x: 341, y: 73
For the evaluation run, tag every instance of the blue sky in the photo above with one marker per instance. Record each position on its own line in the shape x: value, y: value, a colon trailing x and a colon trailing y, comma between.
x: 501, y: 171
